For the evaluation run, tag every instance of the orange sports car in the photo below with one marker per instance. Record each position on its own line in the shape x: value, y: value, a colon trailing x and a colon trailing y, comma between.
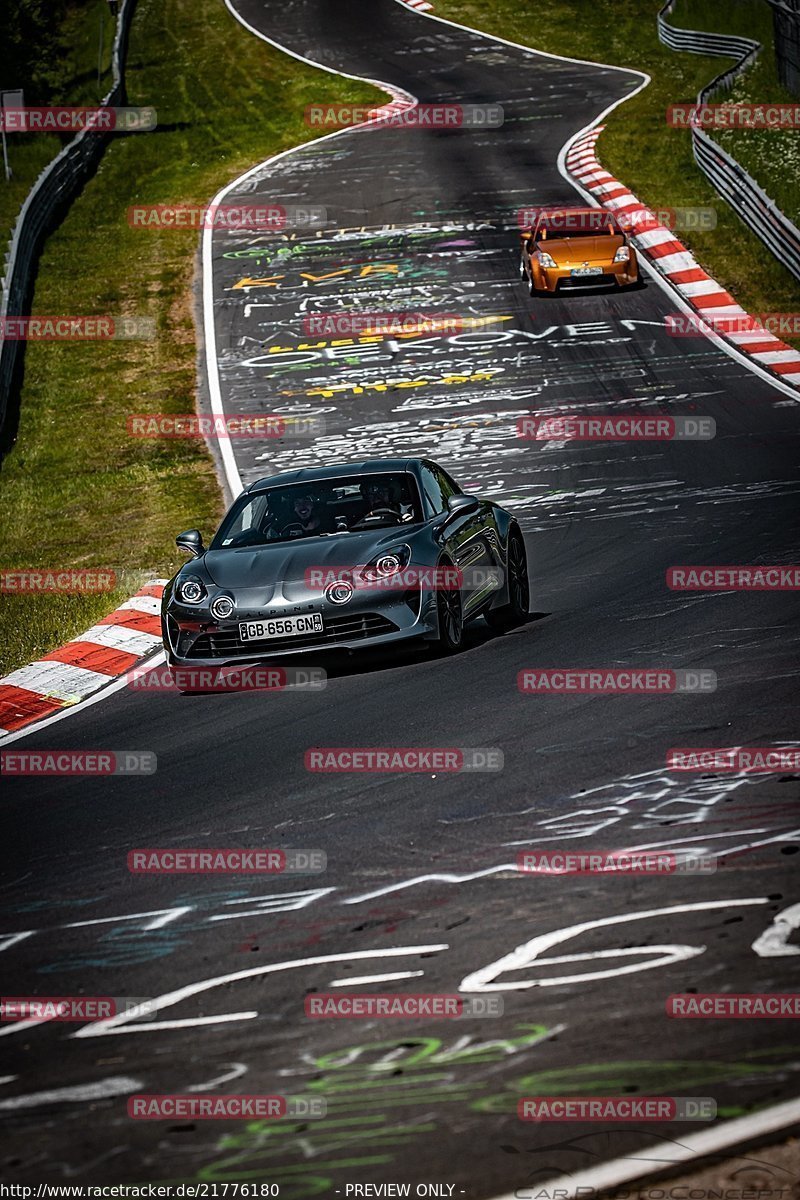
x: 576, y: 247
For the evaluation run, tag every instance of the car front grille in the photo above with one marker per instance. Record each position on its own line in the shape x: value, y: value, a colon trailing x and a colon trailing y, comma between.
x: 354, y: 627
x: 582, y: 281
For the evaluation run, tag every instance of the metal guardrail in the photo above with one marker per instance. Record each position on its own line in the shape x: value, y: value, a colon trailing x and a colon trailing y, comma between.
x: 740, y: 190
x: 45, y: 202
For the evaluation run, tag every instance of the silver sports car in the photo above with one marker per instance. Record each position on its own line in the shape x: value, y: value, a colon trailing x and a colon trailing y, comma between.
x: 343, y: 557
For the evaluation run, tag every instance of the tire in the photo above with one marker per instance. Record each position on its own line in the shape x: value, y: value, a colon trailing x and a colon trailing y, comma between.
x: 516, y: 611
x: 523, y: 274
x: 532, y: 288
x: 451, y: 621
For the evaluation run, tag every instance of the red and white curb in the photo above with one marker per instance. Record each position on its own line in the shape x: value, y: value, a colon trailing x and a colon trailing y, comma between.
x: 677, y: 264
x: 420, y: 5
x: 66, y: 676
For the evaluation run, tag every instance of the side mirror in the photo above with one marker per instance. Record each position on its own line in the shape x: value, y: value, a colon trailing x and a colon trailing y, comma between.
x: 462, y: 506
x: 191, y: 542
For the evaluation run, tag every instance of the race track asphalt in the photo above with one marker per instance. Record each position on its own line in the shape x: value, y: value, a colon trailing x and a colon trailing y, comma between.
x: 420, y: 875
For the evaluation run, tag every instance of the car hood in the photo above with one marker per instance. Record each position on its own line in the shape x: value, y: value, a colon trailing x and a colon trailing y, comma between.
x: 572, y: 251
x: 250, y: 566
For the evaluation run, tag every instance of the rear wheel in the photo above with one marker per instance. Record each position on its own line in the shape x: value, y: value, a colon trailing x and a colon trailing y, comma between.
x: 516, y: 611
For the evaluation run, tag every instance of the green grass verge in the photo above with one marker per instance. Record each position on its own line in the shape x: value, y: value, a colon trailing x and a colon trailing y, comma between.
x: 64, y: 71
x: 77, y: 490
x: 771, y: 156
x: 653, y: 159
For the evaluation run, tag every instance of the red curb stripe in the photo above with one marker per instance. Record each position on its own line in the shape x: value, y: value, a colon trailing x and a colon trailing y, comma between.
x: 762, y: 347
x: 144, y: 622
x: 107, y: 660
x: 718, y: 299
x: 690, y: 275
x: 662, y: 249
x: 152, y: 589
x: 19, y: 707
x: 784, y: 368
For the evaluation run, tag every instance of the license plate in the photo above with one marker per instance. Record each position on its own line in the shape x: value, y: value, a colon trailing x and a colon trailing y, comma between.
x: 586, y: 271
x: 259, y: 631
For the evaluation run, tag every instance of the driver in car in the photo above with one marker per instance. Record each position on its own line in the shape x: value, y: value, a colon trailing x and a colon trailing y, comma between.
x: 377, y: 494
x: 308, y: 513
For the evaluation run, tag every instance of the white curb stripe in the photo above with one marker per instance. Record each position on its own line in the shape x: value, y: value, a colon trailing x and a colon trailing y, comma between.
x: 120, y: 637
x: 145, y: 604
x: 61, y: 681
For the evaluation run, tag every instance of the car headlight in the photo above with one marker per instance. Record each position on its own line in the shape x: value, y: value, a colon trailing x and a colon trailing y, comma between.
x: 339, y: 592
x: 191, y: 590
x: 545, y: 259
x: 387, y: 563
x: 222, y: 607
x: 622, y: 254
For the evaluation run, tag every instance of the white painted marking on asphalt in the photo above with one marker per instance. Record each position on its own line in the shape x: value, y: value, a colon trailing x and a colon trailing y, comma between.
x: 236, y: 1071
x: 387, y: 978
x: 11, y: 939
x: 117, y: 1085
x: 773, y: 942
x: 121, y: 1022
x: 528, y: 953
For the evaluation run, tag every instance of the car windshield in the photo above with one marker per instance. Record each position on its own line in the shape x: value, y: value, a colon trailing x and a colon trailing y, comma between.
x: 321, y: 508
x: 577, y: 224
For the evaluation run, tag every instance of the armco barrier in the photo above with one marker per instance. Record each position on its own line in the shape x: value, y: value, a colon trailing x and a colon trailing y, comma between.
x: 55, y: 187
x: 730, y: 179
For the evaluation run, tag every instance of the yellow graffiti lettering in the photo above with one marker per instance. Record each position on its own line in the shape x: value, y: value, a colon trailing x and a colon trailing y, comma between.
x: 247, y: 282
x: 319, y: 278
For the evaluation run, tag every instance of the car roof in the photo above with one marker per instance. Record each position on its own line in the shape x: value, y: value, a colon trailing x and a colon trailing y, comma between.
x: 369, y: 466
x: 572, y: 209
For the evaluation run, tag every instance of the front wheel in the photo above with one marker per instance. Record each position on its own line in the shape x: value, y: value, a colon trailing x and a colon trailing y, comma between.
x: 516, y: 611
x: 451, y: 620
x: 522, y: 272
